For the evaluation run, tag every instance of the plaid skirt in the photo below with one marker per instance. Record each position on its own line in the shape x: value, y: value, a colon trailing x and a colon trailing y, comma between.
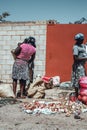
x: 20, y: 70
x: 78, y: 71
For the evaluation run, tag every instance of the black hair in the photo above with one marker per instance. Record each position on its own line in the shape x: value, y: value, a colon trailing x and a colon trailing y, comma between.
x: 25, y: 40
x: 31, y: 40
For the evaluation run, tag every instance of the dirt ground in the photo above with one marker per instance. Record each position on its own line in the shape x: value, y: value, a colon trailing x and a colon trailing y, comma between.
x: 12, y: 117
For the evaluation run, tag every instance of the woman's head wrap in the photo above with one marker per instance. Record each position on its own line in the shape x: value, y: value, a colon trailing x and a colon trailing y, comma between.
x: 79, y: 36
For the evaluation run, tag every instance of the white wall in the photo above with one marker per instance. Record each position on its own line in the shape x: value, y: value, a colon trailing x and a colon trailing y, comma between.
x: 10, y: 35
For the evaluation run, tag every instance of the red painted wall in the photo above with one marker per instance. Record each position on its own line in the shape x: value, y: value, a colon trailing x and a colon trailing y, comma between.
x: 60, y: 40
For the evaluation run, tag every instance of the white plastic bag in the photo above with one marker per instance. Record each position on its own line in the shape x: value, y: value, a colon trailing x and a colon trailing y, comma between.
x: 6, y: 90
x: 56, y: 80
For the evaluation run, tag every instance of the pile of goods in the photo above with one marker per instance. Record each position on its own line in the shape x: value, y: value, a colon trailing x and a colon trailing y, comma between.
x: 44, y: 107
x: 83, y: 90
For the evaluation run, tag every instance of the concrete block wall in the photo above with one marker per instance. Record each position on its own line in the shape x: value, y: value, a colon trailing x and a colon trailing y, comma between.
x: 13, y: 32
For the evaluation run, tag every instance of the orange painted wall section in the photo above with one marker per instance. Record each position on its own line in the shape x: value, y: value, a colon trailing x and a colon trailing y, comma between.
x: 59, y: 56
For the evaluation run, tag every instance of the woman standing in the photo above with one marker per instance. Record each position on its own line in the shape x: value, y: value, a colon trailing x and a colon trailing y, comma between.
x: 20, y: 67
x: 31, y: 40
x: 79, y: 58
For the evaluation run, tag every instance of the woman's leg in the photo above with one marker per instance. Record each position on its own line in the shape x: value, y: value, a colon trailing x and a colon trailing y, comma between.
x: 76, y: 92
x: 31, y: 71
x: 14, y: 86
x: 31, y: 75
x: 22, y: 87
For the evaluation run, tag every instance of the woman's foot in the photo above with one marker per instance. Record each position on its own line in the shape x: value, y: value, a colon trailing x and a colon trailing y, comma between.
x: 22, y: 96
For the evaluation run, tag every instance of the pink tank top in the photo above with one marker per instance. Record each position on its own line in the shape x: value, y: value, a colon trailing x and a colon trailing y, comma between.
x: 26, y: 52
